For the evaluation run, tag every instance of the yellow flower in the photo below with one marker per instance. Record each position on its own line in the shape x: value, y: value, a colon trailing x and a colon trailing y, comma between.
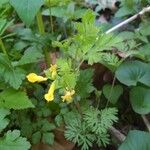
x: 53, y: 71
x: 68, y: 96
x: 50, y: 95
x: 32, y: 77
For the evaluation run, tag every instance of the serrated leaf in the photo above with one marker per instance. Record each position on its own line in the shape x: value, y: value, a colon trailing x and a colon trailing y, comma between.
x: 116, y: 92
x: 69, y: 80
x: 27, y: 9
x: 31, y: 55
x: 36, y: 137
x: 136, y: 140
x: 3, y: 120
x: 140, y: 100
x: 11, y: 75
x: 13, y: 99
x: 48, y: 138
x: 12, y: 140
x: 84, y: 83
x: 58, y: 120
x: 48, y: 127
x: 132, y: 72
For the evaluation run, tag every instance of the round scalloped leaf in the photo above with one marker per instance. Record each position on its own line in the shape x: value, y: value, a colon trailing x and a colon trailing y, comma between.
x: 132, y: 72
x: 140, y: 100
x: 136, y: 140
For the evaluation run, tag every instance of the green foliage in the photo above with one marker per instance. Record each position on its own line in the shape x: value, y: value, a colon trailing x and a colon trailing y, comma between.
x: 84, y: 83
x: 48, y: 138
x: 67, y: 76
x: 77, y: 132
x: 28, y: 58
x: 111, y: 61
x: 129, y: 7
x: 92, y: 127
x: 135, y: 139
x: 80, y: 44
x: 139, y: 97
x: 132, y: 72
x: 13, y: 140
x: 13, y: 99
x: 36, y: 137
x: 27, y: 9
x: 67, y: 12
x: 90, y: 43
x: 116, y: 92
x: 100, y: 121
x: 3, y: 120
x: 57, y: 2
x: 11, y: 75
x: 2, y: 2
x: 144, y: 53
x: 4, y: 25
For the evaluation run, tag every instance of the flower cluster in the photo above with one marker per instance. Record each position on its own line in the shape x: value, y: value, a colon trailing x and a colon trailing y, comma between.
x: 49, y: 96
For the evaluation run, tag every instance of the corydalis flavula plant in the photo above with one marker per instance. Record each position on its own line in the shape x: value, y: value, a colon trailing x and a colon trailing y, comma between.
x: 93, y: 127
x: 52, y: 74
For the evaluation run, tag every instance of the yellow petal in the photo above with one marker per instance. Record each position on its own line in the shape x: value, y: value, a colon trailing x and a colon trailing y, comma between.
x: 50, y: 95
x: 53, y: 68
x: 54, y: 74
x: 32, y: 77
x: 68, y: 96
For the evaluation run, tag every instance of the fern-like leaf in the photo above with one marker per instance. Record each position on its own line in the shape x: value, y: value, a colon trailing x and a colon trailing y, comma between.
x: 78, y: 132
x: 100, y: 121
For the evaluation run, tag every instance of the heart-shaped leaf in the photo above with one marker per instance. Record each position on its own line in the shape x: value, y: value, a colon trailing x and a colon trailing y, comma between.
x: 132, y: 72
x: 27, y: 9
x: 140, y: 100
x: 136, y: 140
x: 116, y: 92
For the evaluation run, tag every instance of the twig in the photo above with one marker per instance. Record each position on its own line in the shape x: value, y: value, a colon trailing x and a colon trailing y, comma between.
x: 145, y: 120
x: 145, y: 10
x: 116, y: 133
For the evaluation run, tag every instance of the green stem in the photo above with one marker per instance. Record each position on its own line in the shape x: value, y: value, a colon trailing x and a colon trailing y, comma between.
x: 51, y: 18
x: 42, y: 31
x: 111, y: 90
x: 3, y: 47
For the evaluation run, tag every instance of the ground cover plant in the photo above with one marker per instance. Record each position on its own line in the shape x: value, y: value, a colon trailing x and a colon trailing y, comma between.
x: 71, y: 78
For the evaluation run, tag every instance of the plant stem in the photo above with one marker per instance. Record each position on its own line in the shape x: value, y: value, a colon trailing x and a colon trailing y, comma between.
x: 40, y: 23
x: 42, y: 31
x: 51, y: 18
x: 3, y: 47
x: 77, y: 104
x: 116, y: 133
x: 112, y: 86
